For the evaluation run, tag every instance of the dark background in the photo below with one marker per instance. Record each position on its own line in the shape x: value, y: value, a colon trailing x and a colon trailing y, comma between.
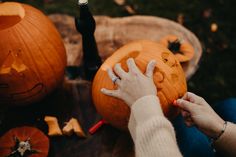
x: 215, y: 77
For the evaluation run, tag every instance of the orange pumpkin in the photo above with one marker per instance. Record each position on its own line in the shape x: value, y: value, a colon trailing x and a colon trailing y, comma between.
x: 181, y: 48
x: 169, y: 79
x: 24, y: 141
x: 32, y: 54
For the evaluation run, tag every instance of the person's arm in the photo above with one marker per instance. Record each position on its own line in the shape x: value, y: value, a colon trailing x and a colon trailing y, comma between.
x: 196, y: 111
x: 227, y: 142
x: 152, y: 133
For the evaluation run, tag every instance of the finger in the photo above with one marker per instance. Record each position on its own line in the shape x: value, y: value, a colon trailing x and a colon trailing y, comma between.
x: 185, y: 113
x: 113, y: 76
x: 193, y: 98
x: 150, y: 68
x: 113, y: 93
x: 132, y: 66
x: 188, y: 124
x: 185, y: 105
x: 119, y: 71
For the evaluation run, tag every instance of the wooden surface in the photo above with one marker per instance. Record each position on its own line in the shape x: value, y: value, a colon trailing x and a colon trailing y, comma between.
x: 112, y: 33
x: 71, y: 100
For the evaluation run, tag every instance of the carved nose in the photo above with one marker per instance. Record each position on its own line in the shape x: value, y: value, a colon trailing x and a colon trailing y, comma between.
x: 12, y: 62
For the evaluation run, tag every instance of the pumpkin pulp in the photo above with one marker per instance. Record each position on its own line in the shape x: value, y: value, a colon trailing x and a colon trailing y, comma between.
x: 22, y: 148
x: 11, y: 13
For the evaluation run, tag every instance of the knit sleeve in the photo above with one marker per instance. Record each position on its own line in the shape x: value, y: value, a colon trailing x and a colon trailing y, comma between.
x: 152, y: 133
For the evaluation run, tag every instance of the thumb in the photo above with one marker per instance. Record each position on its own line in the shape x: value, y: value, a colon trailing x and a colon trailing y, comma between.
x: 185, y: 105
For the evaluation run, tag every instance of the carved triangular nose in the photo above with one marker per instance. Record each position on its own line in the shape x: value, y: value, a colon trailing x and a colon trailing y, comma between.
x: 12, y: 62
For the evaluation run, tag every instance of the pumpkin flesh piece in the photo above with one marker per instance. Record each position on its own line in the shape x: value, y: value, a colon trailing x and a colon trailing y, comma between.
x: 10, y: 14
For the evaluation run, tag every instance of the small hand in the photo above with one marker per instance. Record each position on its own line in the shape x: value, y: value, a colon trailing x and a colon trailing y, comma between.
x: 132, y: 85
x: 196, y: 111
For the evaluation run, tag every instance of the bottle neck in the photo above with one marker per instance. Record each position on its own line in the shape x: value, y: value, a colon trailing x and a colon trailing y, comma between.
x: 85, y: 13
x: 82, y: 2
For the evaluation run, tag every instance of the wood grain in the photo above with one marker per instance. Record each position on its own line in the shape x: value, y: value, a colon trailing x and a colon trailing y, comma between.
x: 112, y: 33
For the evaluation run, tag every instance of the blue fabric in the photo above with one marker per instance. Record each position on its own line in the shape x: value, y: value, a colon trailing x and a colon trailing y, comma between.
x: 227, y: 110
x: 192, y: 142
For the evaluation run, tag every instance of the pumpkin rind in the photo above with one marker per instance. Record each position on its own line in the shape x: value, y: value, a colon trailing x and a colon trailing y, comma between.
x: 169, y: 79
x: 32, y: 58
x: 38, y: 141
x: 186, y: 50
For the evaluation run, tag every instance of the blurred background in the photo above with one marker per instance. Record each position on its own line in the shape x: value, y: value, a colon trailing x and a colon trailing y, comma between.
x: 212, y: 21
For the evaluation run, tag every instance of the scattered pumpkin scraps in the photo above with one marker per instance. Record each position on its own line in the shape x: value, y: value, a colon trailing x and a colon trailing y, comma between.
x: 73, y: 126
x: 68, y: 129
x: 53, y: 127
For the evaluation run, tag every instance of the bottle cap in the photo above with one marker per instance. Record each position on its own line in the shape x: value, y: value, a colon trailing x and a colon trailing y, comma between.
x: 82, y: 2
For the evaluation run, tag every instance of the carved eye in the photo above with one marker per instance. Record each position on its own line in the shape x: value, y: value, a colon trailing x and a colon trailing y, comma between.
x: 168, y: 59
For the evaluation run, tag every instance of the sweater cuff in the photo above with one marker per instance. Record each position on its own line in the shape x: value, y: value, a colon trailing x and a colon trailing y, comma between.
x: 146, y: 108
x: 142, y: 110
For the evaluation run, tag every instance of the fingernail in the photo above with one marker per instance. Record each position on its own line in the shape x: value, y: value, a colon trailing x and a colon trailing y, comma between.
x: 175, y: 103
x: 117, y: 65
x: 178, y: 101
x: 129, y: 59
x: 102, y: 90
x: 153, y: 61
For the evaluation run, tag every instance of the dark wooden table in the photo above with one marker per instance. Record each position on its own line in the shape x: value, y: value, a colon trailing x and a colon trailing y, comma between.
x: 73, y: 99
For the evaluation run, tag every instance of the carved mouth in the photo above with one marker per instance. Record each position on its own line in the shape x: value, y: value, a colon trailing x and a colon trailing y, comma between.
x: 21, y: 96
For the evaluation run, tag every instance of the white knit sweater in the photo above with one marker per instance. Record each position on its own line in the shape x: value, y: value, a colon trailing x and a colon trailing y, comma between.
x: 152, y: 133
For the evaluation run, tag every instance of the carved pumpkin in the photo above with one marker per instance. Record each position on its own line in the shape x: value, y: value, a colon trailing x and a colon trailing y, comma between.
x: 24, y: 141
x: 32, y: 54
x: 169, y: 79
x: 181, y: 48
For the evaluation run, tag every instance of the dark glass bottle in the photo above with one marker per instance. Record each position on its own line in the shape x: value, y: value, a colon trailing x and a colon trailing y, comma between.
x: 86, y: 25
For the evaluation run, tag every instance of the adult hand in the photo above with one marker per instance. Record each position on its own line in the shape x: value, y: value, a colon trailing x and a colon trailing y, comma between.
x: 196, y: 111
x: 132, y: 85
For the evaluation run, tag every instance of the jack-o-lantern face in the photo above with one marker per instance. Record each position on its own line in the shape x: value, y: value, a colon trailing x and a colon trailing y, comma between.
x: 14, y: 73
x: 32, y: 55
x: 168, y: 75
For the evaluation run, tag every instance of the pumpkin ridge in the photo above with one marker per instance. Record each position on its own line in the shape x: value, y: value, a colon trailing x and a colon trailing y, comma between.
x: 59, y: 58
x: 43, y: 57
x: 49, y: 25
x: 8, y: 54
x: 42, y: 53
x: 14, y: 37
x: 31, y: 56
x: 163, y: 99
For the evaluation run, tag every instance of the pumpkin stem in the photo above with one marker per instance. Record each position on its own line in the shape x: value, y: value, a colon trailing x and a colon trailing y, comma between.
x: 174, y: 46
x: 22, y: 148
